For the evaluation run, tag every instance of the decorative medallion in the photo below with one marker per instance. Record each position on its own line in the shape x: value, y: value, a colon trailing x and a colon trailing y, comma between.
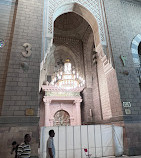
x: 2, y: 43
x: 61, y: 118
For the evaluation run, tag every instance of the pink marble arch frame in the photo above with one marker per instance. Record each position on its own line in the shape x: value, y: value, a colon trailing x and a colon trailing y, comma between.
x: 53, y: 103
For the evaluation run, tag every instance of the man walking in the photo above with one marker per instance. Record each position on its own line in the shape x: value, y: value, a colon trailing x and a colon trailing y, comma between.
x: 24, y: 149
x: 50, y: 145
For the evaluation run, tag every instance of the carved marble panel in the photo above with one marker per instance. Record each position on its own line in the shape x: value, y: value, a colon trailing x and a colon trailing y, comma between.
x: 61, y: 118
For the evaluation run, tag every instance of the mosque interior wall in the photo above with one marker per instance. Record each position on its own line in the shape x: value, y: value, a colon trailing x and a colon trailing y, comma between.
x: 105, y: 91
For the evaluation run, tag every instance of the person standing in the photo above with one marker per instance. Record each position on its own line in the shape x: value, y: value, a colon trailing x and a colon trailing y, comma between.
x: 24, y: 149
x: 50, y: 145
x: 14, y: 148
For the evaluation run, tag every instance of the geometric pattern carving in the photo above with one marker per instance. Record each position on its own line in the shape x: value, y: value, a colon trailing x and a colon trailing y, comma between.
x: 92, y: 5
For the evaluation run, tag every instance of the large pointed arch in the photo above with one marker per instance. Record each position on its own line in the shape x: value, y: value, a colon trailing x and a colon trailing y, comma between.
x: 83, y: 12
x: 91, y: 12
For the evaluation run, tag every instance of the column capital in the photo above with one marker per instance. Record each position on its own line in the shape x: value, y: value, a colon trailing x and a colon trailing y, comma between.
x: 77, y: 101
x: 46, y: 101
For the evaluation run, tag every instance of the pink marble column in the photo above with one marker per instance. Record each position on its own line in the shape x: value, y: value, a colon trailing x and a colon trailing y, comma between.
x: 72, y: 123
x: 51, y: 122
x: 78, y: 111
x: 47, y: 113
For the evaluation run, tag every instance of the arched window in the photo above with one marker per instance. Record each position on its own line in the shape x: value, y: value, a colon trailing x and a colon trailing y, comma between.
x: 136, y: 50
x: 61, y: 118
x: 136, y: 53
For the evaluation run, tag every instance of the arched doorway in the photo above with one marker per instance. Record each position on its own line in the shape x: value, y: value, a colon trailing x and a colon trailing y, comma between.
x: 61, y: 118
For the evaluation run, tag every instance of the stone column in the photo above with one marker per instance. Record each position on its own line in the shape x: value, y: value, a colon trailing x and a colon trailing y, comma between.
x: 72, y: 121
x: 78, y: 112
x: 51, y: 120
x: 47, y: 113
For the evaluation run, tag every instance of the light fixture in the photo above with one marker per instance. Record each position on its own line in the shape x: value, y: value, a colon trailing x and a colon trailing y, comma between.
x: 67, y: 77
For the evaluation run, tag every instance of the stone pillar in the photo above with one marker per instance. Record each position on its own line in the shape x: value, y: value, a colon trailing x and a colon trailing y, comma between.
x: 47, y: 113
x: 88, y: 104
x: 78, y: 112
x: 51, y: 121
x: 72, y: 123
